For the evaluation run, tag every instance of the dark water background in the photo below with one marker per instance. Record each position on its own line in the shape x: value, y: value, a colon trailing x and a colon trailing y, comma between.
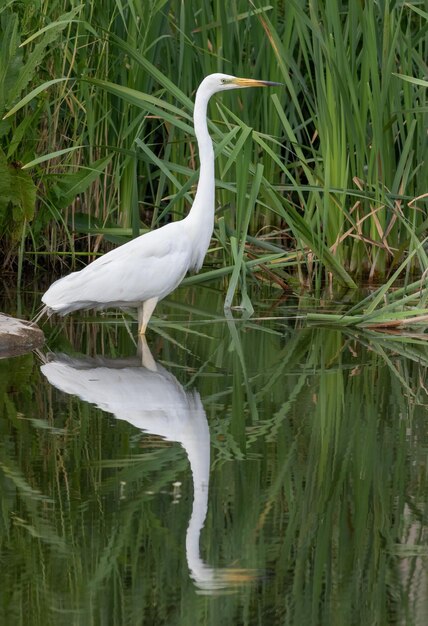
x: 236, y: 472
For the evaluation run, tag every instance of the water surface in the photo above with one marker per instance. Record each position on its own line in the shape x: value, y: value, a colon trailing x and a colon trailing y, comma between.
x: 229, y: 472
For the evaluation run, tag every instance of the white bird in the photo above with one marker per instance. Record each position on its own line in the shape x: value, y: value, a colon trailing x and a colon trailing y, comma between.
x: 151, y: 399
x: 146, y: 269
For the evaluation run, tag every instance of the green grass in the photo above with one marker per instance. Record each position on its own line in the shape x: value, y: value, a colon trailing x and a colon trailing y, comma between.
x: 329, y: 172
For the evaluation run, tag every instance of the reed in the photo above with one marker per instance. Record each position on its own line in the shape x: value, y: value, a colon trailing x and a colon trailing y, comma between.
x: 330, y: 172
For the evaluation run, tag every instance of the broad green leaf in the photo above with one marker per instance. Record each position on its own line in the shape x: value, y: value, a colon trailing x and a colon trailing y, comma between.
x: 51, y: 155
x: 17, y: 200
x: 35, y: 92
x: 145, y: 101
x: 68, y: 186
x: 413, y: 80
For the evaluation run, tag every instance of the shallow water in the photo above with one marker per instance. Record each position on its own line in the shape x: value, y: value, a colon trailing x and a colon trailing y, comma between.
x: 230, y: 472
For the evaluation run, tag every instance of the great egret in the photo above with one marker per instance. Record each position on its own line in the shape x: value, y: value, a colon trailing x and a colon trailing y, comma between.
x: 146, y: 269
x: 150, y: 398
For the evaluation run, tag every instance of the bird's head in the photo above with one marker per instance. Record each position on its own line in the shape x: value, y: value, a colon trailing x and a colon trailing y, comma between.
x: 222, y: 82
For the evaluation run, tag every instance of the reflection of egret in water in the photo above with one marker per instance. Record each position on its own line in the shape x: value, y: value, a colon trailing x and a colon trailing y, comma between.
x: 151, y: 399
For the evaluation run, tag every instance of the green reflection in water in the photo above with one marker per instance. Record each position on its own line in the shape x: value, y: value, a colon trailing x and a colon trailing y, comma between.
x: 317, y: 502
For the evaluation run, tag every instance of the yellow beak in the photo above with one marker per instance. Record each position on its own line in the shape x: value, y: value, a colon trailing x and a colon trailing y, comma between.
x: 251, y: 82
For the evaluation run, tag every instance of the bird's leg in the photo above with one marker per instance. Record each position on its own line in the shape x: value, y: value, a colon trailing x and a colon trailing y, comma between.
x: 143, y: 351
x: 144, y: 314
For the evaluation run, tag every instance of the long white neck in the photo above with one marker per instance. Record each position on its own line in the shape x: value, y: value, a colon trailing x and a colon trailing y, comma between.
x: 201, y: 216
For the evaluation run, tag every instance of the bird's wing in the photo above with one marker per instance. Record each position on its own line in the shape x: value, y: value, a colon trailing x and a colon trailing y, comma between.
x: 151, y: 265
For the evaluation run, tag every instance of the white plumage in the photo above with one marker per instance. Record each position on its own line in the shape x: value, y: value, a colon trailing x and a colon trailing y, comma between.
x: 128, y: 275
x: 148, y: 268
x: 151, y: 399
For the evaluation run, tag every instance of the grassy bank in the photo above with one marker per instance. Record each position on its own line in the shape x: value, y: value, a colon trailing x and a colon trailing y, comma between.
x: 98, y: 142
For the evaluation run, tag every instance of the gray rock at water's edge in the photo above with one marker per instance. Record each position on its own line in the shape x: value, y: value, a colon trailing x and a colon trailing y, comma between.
x: 18, y: 336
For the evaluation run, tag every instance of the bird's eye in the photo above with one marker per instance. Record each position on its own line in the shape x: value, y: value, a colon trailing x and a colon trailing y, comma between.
x: 223, y: 81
